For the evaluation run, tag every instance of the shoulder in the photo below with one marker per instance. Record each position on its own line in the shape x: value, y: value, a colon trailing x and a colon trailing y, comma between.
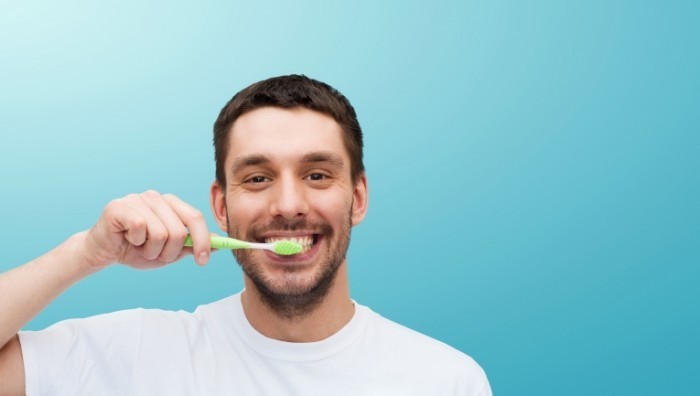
x: 396, y: 335
x: 432, y: 357
x: 130, y: 322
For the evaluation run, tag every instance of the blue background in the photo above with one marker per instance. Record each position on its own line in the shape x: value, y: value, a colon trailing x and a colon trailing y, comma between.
x: 533, y: 166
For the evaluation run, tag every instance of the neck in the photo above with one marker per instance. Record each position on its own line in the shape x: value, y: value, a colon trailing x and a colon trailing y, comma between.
x: 325, y: 319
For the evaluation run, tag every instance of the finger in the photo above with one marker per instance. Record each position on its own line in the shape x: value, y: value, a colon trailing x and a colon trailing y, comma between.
x: 123, y: 220
x: 156, y: 232
x: 197, y: 226
x: 186, y: 251
x: 177, y: 232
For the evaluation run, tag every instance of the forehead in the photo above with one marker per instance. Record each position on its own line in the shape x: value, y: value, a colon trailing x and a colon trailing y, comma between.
x: 284, y: 134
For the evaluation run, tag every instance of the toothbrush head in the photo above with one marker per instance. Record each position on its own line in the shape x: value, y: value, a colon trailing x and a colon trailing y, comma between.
x: 286, y: 248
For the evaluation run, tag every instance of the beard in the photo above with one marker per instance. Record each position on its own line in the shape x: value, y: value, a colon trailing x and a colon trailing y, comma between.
x: 294, y: 294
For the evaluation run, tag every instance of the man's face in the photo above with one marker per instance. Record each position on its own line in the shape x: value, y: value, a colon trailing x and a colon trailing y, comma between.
x: 288, y: 177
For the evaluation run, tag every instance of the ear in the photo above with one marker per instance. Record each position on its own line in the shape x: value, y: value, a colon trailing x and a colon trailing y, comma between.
x: 360, y: 199
x: 217, y: 200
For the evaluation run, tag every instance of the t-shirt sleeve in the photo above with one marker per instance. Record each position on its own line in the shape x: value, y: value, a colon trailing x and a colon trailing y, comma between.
x: 68, y: 356
x: 486, y: 390
x: 473, y: 381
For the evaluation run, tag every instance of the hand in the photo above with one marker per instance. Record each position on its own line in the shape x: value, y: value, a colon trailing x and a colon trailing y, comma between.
x: 146, y: 230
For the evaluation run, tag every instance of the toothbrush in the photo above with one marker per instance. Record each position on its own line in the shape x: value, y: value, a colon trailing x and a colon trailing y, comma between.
x: 284, y: 248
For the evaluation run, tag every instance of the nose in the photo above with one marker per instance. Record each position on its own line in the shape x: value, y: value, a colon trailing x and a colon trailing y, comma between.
x: 289, y: 199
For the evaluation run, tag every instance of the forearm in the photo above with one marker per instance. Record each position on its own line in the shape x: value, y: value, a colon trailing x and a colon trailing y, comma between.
x: 28, y: 289
x: 140, y: 230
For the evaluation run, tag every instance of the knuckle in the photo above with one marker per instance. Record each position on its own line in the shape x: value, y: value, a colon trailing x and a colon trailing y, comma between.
x: 113, y: 206
x: 179, y: 235
x: 151, y: 194
x: 138, y: 223
x: 158, y: 236
x: 151, y: 255
x: 165, y: 258
x: 196, y: 215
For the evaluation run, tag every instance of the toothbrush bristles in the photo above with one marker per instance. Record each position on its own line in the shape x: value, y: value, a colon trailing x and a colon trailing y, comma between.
x: 286, y: 248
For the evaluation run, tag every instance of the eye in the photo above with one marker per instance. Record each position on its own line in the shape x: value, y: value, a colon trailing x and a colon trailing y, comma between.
x: 318, y: 179
x: 317, y: 176
x: 256, y: 180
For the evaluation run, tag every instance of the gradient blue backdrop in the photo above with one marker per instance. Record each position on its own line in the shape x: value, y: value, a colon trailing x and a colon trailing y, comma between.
x: 533, y: 166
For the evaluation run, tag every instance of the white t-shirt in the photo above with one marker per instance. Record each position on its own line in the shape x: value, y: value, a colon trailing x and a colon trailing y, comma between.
x: 215, y: 351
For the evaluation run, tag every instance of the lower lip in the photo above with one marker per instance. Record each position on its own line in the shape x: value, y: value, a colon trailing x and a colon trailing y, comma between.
x: 302, y: 258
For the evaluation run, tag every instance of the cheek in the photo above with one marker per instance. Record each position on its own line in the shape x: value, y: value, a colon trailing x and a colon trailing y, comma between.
x: 333, y: 208
x: 244, y: 208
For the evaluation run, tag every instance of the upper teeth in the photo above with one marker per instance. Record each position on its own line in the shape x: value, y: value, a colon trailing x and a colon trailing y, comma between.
x: 304, y: 241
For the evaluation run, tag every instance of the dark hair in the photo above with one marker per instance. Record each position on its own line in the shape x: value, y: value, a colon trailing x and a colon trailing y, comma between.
x: 288, y: 92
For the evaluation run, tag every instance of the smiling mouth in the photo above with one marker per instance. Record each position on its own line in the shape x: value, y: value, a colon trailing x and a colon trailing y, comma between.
x: 305, y: 241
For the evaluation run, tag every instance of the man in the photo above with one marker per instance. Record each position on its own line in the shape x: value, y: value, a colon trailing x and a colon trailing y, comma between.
x: 288, y: 166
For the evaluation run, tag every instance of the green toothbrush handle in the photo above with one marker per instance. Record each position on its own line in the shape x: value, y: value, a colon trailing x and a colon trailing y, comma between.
x: 218, y: 242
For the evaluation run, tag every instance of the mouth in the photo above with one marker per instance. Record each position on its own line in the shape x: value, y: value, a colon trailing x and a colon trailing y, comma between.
x: 306, y: 241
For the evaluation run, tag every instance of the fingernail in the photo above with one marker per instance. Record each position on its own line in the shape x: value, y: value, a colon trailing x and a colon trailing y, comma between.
x: 202, y: 258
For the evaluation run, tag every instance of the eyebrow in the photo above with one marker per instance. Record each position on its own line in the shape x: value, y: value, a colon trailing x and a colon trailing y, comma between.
x: 310, y: 158
x: 249, y: 160
x: 323, y: 156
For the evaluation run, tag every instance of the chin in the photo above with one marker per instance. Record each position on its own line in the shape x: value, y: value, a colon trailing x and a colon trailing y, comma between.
x: 293, y: 292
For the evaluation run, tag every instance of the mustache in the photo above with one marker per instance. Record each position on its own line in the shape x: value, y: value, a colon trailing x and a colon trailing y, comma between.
x: 280, y: 224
